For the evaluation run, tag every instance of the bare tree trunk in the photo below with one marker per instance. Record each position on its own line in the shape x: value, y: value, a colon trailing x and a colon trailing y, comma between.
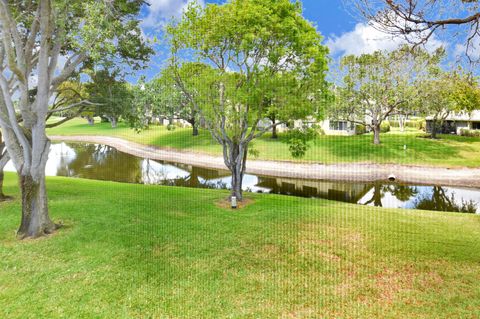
x: 113, y: 122
x: 236, y: 165
x: 274, y: 132
x: 35, y: 219
x: 401, y: 123
x: 90, y: 120
x: 376, y: 134
x: 274, y: 127
x: 2, y: 195
x: 3, y: 161
x: 194, y: 124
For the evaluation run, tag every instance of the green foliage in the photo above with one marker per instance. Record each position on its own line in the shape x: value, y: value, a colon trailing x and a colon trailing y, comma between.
x: 445, y: 92
x: 252, y: 59
x: 297, y: 140
x: 385, y: 127
x: 418, y: 124
x: 360, y: 129
x: 449, y: 151
x: 469, y: 133
x: 381, y: 83
x: 113, y: 97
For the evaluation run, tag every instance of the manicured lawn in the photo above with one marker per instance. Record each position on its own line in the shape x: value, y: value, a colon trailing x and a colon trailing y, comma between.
x: 449, y: 151
x: 132, y: 251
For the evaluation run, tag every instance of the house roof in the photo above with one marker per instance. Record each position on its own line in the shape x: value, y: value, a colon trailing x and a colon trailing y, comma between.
x: 462, y: 116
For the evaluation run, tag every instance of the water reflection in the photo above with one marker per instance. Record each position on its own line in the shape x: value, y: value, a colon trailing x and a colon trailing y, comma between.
x: 102, y: 162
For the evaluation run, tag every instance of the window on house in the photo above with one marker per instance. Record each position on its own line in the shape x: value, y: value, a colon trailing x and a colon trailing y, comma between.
x: 338, y: 125
x: 476, y: 126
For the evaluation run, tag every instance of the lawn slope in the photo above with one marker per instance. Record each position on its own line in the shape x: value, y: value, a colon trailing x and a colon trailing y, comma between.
x: 133, y: 251
x: 449, y: 151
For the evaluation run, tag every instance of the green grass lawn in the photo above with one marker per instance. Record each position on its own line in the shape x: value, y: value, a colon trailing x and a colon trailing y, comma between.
x: 449, y: 151
x: 133, y: 251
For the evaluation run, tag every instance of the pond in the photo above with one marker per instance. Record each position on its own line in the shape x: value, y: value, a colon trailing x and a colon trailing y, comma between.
x: 101, y: 162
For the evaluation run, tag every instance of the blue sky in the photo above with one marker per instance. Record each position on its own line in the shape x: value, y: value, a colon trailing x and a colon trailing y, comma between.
x: 343, y: 30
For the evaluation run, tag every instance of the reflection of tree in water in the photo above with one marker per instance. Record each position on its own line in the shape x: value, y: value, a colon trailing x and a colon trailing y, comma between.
x: 401, y: 192
x: 102, y: 162
x: 441, y: 201
x: 379, y: 191
x: 197, y: 177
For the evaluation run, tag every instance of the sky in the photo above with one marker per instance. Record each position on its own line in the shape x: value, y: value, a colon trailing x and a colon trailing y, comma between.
x: 343, y: 29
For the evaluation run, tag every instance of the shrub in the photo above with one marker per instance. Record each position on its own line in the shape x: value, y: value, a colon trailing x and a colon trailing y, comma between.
x: 171, y: 127
x: 385, y: 127
x: 360, y: 129
x: 297, y: 140
x: 469, y: 133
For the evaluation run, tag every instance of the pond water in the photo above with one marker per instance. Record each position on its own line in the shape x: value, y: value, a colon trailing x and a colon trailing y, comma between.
x: 101, y: 162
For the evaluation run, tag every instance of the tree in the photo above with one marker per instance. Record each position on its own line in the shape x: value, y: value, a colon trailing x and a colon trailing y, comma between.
x: 435, y: 99
x: 35, y: 36
x: 247, y: 52
x: 113, y: 97
x: 443, y: 93
x: 168, y: 100
x: 418, y: 20
x: 70, y: 101
x: 378, y: 85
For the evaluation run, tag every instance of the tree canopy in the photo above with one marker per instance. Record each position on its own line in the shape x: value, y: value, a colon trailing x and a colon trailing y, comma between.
x: 248, y: 57
x: 43, y: 44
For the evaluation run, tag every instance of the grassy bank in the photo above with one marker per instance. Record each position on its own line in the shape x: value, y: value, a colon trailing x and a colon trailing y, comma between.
x: 132, y: 251
x: 449, y: 151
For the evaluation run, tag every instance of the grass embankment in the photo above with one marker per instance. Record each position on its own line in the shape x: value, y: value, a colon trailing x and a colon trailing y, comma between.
x: 449, y: 151
x: 132, y: 251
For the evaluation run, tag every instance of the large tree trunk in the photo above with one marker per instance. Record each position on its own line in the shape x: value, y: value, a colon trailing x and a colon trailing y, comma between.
x: 35, y: 219
x: 376, y: 134
x: 2, y: 195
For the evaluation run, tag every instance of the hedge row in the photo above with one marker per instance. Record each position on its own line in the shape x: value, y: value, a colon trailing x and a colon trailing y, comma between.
x: 469, y: 133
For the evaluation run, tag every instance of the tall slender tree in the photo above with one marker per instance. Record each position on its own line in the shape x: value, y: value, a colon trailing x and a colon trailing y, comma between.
x: 247, y: 52
x: 35, y: 37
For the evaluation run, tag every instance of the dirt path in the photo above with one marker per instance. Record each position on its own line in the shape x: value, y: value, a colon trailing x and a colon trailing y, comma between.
x: 360, y: 172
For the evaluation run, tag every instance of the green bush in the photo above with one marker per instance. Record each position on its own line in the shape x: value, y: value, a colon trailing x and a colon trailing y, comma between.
x: 385, y: 127
x: 320, y: 131
x: 360, y: 129
x: 171, y: 127
x: 422, y: 125
x: 469, y: 133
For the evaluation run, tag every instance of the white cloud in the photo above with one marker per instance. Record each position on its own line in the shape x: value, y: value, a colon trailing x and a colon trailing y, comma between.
x: 161, y: 11
x: 365, y: 38
x: 473, y: 51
